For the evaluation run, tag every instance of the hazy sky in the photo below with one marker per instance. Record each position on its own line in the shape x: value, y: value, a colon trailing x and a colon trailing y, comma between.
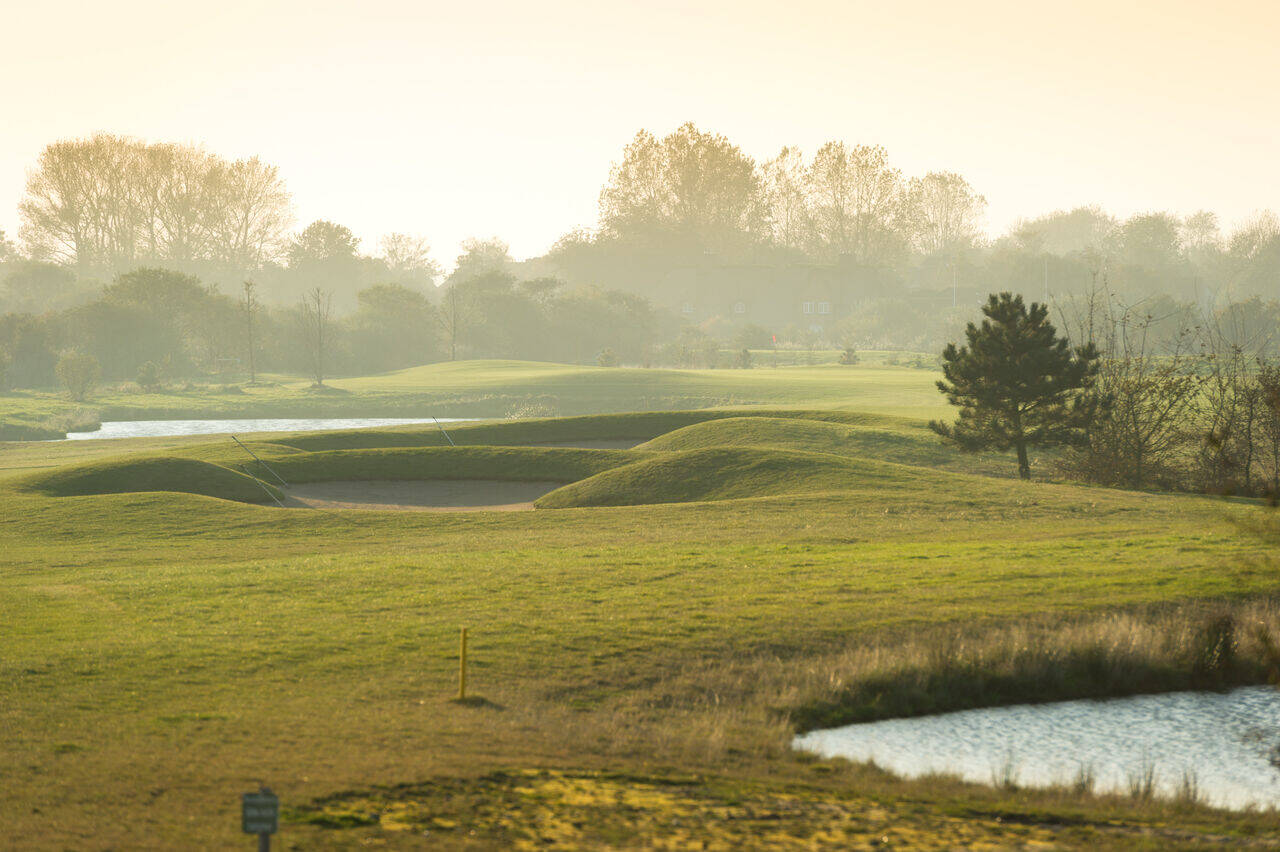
x: 456, y: 119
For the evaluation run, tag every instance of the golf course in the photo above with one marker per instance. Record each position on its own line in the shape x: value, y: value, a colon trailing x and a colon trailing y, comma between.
x: 665, y: 576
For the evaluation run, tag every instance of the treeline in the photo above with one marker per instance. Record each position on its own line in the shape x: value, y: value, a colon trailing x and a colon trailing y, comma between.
x: 109, y: 202
x: 693, y: 198
x: 156, y: 326
x: 1181, y: 400
x: 1178, y: 401
x: 909, y: 252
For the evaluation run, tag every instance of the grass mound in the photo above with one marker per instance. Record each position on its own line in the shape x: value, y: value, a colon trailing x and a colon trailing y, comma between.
x: 732, y: 473
x: 904, y: 445
x: 882, y: 438
x: 153, y: 473
x: 638, y: 426
x: 509, y: 463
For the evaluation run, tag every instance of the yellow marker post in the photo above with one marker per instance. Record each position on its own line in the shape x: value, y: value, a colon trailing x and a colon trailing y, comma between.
x: 462, y: 666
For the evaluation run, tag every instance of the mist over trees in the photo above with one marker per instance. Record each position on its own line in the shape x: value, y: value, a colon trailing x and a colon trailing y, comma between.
x: 107, y: 203
x: 136, y: 252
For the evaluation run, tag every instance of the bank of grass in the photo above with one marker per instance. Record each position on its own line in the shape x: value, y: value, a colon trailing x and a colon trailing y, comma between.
x: 150, y: 473
x: 885, y: 438
x: 1194, y: 645
x: 451, y: 463
x: 32, y: 423
x: 717, y: 457
x: 637, y: 426
x: 736, y: 472
x: 658, y: 657
x: 496, y: 388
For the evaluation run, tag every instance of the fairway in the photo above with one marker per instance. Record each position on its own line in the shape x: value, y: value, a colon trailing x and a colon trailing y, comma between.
x: 656, y: 629
x: 483, y: 389
x: 676, y: 427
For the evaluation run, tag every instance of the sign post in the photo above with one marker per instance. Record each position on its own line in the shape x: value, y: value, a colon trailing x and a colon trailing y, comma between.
x: 260, y: 815
x: 462, y: 665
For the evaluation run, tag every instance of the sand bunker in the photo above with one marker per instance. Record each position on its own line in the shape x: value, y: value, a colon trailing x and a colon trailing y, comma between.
x: 467, y: 495
x: 587, y: 444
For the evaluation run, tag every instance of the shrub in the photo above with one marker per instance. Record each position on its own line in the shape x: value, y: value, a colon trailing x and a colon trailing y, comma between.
x: 149, y: 376
x: 849, y: 357
x: 79, y: 374
x: 606, y: 358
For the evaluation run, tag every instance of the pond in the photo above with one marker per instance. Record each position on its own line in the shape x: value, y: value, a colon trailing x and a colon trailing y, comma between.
x: 1227, y: 743
x: 169, y: 428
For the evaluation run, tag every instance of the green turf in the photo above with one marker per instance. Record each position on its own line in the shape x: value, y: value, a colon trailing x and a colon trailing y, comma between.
x: 887, y: 439
x: 592, y: 427
x: 496, y: 389
x: 163, y: 473
x: 166, y: 651
x: 729, y: 473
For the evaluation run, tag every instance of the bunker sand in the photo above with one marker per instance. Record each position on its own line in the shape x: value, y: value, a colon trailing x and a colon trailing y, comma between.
x: 469, y: 495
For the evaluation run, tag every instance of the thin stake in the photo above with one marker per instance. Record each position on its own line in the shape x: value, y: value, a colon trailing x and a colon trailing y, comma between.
x: 278, y: 477
x: 263, y: 486
x: 446, y: 434
x: 462, y: 665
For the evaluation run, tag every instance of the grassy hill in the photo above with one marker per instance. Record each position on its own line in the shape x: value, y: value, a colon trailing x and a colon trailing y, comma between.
x: 495, y: 389
x: 733, y: 473
x: 884, y: 438
x: 164, y: 473
x: 660, y: 654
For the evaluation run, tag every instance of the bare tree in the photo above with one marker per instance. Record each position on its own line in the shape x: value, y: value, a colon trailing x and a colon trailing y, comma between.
x: 691, y: 184
x: 1269, y: 431
x: 944, y: 211
x: 256, y: 212
x: 317, y: 328
x: 1235, y: 418
x: 856, y: 200
x: 107, y: 202
x: 1147, y: 390
x: 453, y: 316
x: 409, y: 259
x: 784, y: 183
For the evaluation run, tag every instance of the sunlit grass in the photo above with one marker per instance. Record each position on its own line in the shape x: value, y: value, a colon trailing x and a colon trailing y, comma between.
x: 195, y: 645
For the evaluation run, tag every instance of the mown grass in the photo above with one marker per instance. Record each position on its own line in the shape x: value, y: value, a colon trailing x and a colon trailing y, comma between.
x: 151, y: 473
x: 887, y: 439
x: 729, y: 473
x: 164, y: 652
x: 499, y: 389
x: 638, y: 426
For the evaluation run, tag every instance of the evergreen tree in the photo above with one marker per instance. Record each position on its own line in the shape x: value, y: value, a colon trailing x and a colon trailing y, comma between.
x: 1017, y: 383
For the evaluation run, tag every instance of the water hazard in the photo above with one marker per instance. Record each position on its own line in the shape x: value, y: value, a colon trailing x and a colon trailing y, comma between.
x: 1227, y: 744
x: 170, y: 428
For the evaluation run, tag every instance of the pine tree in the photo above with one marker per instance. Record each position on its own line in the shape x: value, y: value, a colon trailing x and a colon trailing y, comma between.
x: 1017, y: 383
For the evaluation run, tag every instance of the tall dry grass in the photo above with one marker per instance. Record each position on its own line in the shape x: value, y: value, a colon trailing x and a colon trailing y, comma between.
x: 712, y: 710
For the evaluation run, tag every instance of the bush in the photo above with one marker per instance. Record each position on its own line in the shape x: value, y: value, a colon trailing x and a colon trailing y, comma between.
x: 743, y: 361
x: 149, y: 377
x: 79, y: 374
x: 753, y: 336
x: 606, y: 358
x: 849, y: 356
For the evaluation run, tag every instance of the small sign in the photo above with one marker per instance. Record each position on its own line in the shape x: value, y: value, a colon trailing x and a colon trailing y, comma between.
x: 260, y: 812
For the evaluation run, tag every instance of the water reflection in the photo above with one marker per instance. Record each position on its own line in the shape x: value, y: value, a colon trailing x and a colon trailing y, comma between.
x: 169, y: 428
x: 1228, y: 743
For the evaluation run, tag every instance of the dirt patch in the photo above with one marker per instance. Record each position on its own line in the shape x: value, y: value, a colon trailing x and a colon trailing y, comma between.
x: 437, y: 495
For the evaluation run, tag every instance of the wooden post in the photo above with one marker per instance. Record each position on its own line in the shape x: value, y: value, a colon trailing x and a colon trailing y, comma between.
x: 462, y: 666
